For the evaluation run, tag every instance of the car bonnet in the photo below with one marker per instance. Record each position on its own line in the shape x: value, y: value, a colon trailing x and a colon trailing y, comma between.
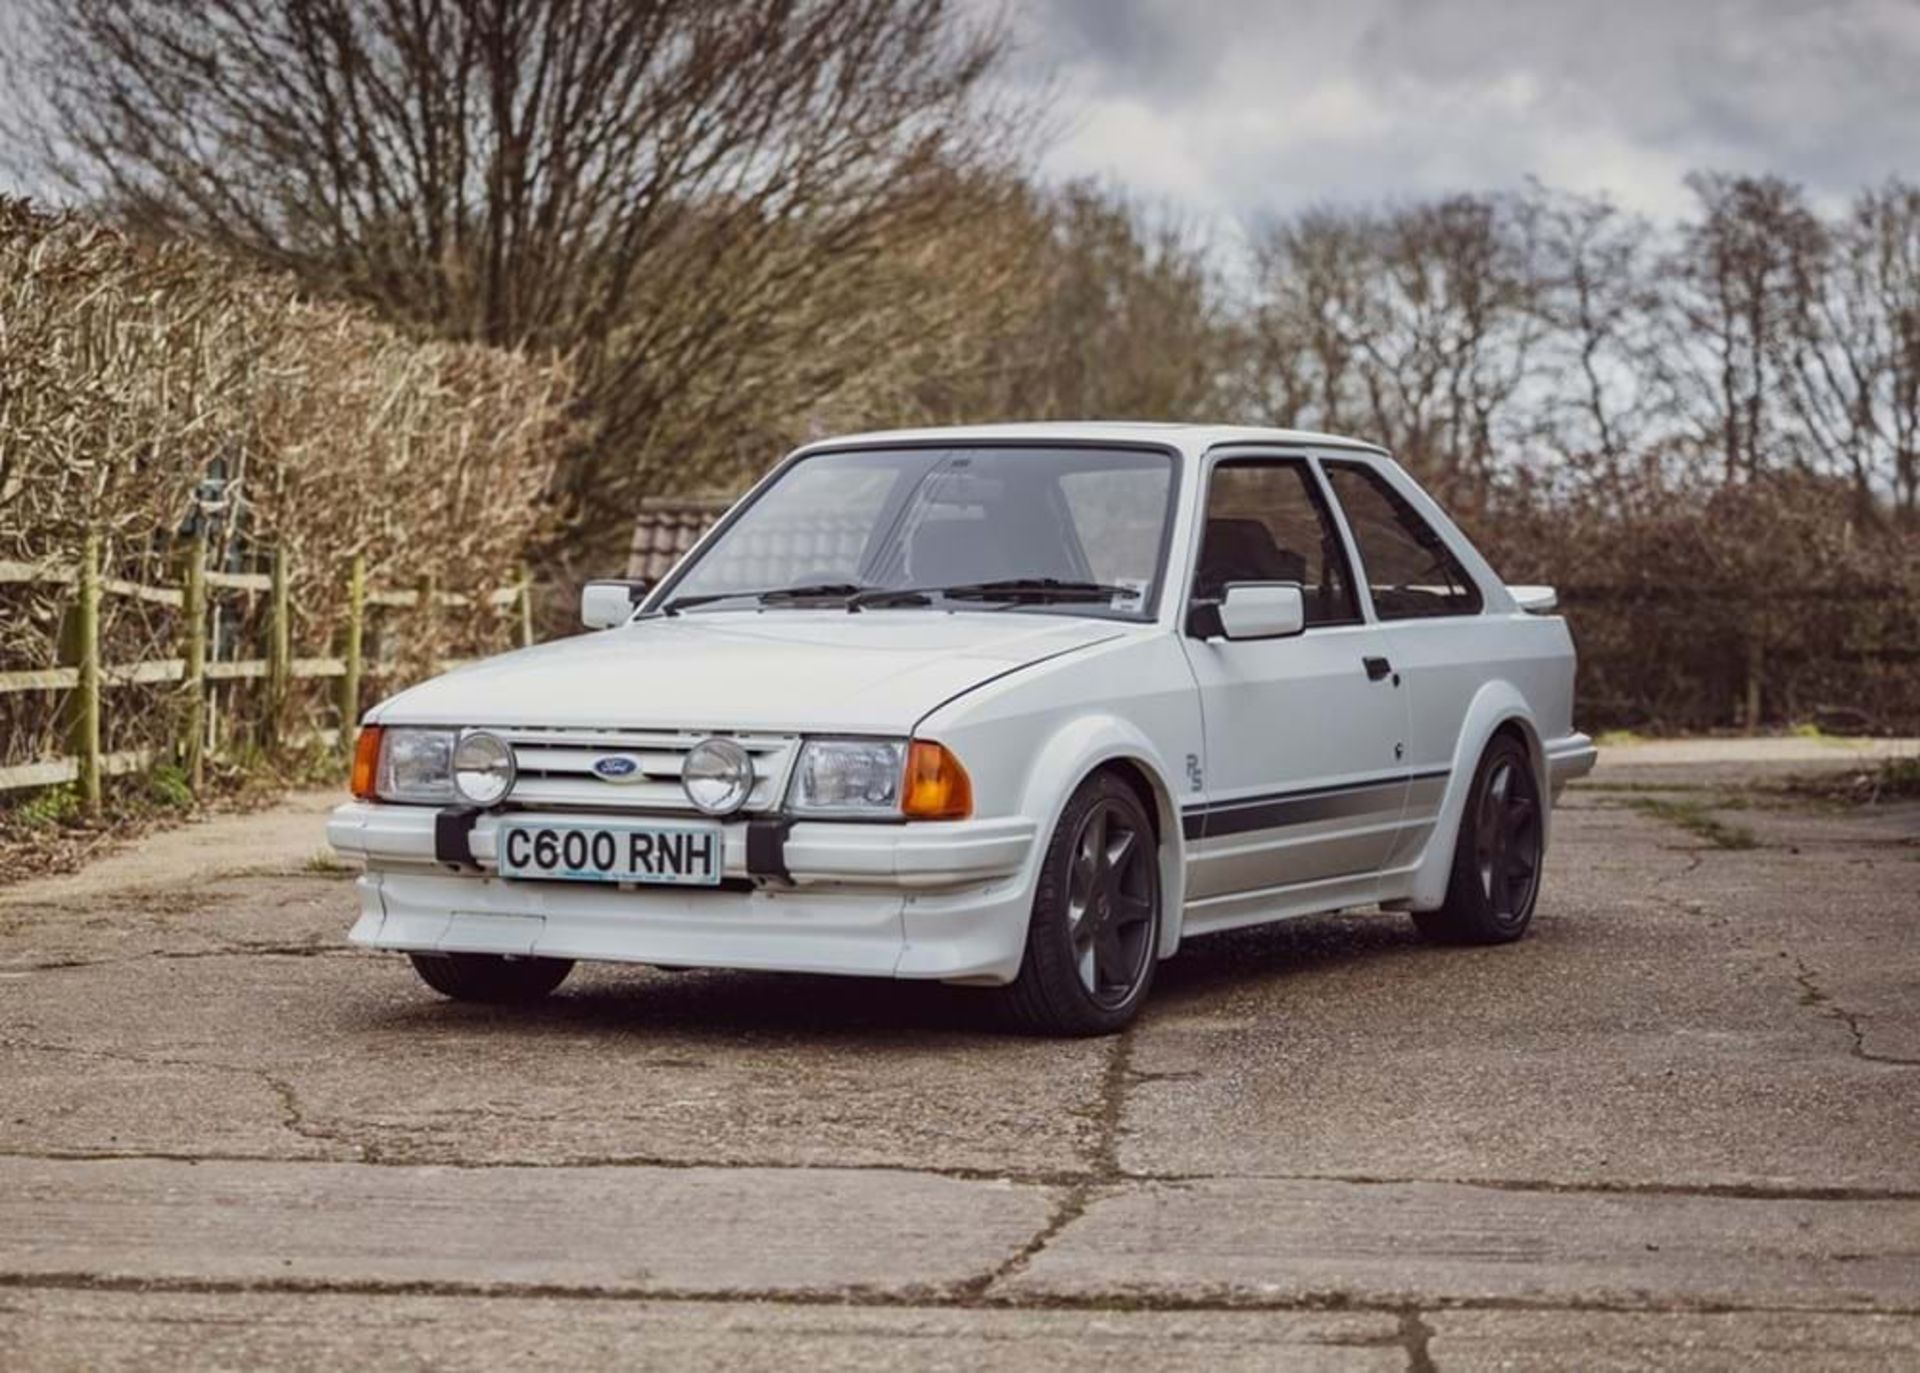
x: 812, y: 671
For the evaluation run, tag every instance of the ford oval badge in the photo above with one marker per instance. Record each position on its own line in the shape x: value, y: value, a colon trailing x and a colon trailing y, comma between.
x: 617, y: 768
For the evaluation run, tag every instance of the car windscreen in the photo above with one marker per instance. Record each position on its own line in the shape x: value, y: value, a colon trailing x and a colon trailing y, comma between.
x: 936, y: 519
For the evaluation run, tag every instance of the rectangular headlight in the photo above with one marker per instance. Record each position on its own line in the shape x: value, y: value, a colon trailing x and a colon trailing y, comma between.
x: 848, y: 777
x: 416, y: 765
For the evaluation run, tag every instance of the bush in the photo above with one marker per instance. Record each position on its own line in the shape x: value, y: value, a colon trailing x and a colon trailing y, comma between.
x: 133, y: 371
x: 54, y: 806
x: 1775, y: 601
x: 169, y: 787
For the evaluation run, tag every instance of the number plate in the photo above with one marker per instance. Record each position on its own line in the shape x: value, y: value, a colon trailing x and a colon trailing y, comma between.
x: 654, y: 851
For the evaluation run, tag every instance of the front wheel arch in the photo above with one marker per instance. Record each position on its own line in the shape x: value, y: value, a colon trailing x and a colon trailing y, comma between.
x: 1147, y: 784
x: 1090, y: 944
x: 1130, y: 772
x: 1075, y: 754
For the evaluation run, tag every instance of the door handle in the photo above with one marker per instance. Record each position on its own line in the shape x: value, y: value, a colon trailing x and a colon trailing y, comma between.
x: 1376, y: 668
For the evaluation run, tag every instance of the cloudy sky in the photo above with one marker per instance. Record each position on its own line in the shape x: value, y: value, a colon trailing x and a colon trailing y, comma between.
x: 1233, y: 107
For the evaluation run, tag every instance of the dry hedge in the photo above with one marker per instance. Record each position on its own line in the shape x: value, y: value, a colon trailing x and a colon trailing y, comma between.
x: 129, y: 371
x: 1774, y: 601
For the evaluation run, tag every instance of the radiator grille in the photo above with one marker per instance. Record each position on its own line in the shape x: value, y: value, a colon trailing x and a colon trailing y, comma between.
x: 556, y: 768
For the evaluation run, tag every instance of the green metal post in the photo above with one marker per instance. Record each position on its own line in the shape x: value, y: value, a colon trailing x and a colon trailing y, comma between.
x: 279, y: 654
x: 526, y: 606
x: 356, y: 629
x: 193, y: 685
x: 83, y: 707
x: 429, y: 612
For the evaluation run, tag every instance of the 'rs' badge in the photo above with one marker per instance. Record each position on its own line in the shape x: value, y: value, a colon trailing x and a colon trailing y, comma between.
x: 1193, y: 771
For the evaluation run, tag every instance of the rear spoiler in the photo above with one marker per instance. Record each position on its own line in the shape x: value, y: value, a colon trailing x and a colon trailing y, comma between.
x: 1536, y: 600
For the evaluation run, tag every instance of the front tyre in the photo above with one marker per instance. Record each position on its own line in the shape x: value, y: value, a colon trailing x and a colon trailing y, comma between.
x: 1497, y: 856
x: 490, y: 977
x: 1093, y: 940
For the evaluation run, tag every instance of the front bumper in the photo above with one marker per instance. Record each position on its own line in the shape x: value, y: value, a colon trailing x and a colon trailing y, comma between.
x: 925, y: 900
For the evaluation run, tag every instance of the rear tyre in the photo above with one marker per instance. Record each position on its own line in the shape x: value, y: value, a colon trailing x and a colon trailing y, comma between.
x: 490, y: 977
x: 1496, y: 858
x: 1094, y: 936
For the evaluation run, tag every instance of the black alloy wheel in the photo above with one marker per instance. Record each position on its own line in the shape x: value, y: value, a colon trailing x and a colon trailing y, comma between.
x: 1497, y: 857
x: 1506, y: 840
x: 1110, y: 903
x: 1093, y: 940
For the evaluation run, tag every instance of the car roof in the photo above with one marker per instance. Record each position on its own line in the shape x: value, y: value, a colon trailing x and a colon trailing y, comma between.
x: 1189, y: 438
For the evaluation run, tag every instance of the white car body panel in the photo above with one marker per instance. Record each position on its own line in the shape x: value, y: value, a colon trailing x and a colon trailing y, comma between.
x: 873, y: 674
x: 1332, y: 785
x: 1357, y: 784
x: 1033, y: 728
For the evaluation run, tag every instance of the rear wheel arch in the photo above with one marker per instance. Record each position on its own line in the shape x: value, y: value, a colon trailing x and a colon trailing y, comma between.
x: 1495, y: 867
x: 1499, y: 708
x: 1521, y: 728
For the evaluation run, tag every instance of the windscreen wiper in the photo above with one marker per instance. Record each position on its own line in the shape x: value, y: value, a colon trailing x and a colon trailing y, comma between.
x: 1014, y: 590
x: 816, y: 591
x: 778, y: 595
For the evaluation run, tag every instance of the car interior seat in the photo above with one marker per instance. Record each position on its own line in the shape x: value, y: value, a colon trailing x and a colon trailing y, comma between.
x: 1243, y: 550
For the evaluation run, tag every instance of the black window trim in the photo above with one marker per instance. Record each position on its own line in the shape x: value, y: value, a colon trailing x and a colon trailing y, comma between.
x: 1374, y: 470
x: 1318, y: 491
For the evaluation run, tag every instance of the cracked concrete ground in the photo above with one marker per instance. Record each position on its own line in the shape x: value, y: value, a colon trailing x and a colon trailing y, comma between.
x: 1679, y: 1126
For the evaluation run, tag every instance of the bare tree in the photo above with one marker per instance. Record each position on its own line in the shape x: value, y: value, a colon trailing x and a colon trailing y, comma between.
x: 1417, y: 324
x: 1740, y: 276
x: 1127, y: 324
x: 1311, y: 275
x: 1598, y: 305
x: 662, y: 188
x: 1067, y: 304
x: 1851, y: 355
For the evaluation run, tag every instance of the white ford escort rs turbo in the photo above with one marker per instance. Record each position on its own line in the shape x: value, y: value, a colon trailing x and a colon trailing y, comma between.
x: 1021, y: 706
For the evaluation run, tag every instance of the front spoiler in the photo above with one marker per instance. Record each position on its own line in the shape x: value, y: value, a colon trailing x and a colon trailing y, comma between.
x: 912, y: 856
x: 975, y: 934
x: 943, y: 900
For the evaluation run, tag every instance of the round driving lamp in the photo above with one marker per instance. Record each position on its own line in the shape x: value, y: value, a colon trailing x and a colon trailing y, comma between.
x: 717, y: 776
x: 483, y: 769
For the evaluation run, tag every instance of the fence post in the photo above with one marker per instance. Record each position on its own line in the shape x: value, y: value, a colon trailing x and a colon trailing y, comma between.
x: 279, y: 642
x: 82, y: 650
x: 356, y: 623
x: 193, y: 613
x: 526, y: 606
x: 429, y: 622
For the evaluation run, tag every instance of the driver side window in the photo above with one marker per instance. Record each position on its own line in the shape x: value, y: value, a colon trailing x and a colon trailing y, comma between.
x: 1266, y: 522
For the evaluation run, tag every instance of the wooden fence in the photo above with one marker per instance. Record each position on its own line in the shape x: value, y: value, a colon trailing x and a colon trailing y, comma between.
x: 87, y: 680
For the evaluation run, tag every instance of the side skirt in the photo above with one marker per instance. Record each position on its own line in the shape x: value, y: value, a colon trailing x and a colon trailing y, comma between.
x: 1242, y: 909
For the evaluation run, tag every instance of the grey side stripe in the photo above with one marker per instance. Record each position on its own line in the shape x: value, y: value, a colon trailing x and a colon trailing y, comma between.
x: 1299, y: 807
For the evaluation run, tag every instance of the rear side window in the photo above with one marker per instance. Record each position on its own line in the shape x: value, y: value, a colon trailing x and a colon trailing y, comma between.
x: 1407, y: 565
